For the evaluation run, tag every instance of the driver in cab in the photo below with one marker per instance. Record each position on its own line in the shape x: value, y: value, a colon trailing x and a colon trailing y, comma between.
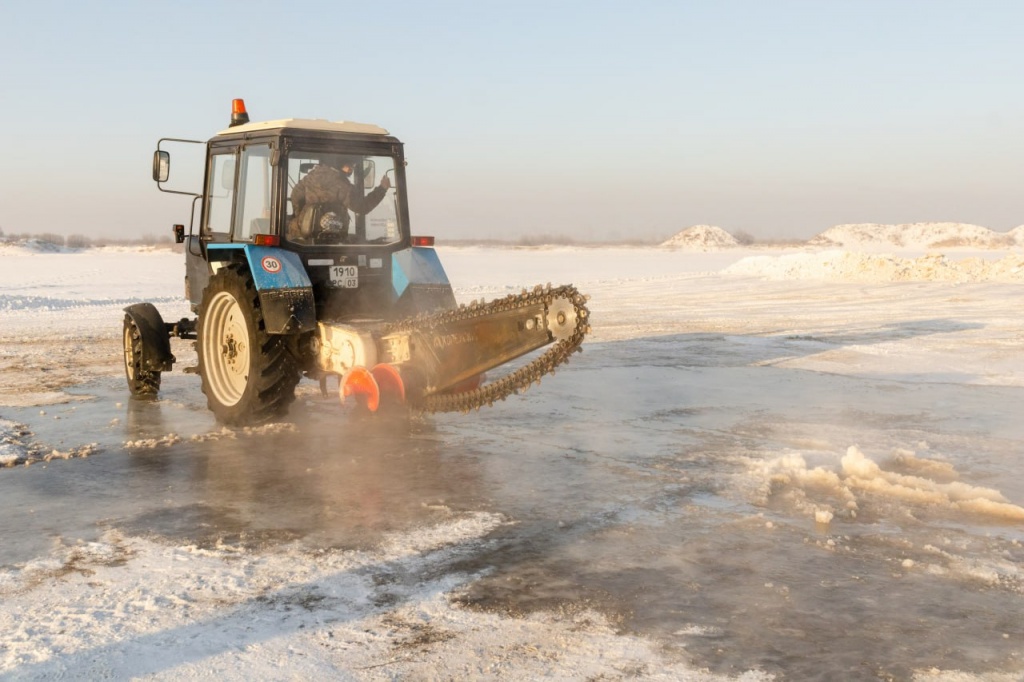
x: 322, y: 199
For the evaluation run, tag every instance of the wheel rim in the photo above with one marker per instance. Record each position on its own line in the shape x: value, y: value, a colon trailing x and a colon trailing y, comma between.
x: 129, y: 352
x: 226, y: 349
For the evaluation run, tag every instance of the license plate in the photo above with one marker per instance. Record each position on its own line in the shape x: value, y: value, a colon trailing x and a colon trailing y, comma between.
x: 345, y: 276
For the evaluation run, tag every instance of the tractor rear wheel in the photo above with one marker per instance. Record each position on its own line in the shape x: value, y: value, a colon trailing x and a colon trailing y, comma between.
x: 141, y: 382
x: 248, y: 376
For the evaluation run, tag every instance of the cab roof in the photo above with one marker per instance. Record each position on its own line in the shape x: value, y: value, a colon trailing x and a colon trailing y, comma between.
x: 307, y: 124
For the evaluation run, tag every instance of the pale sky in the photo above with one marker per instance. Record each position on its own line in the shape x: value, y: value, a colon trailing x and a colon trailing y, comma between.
x: 591, y: 119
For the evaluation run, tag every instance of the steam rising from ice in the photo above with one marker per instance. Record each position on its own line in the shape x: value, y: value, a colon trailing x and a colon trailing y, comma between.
x: 859, y: 480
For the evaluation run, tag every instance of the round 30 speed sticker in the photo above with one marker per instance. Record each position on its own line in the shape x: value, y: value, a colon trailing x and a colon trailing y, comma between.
x: 271, y: 264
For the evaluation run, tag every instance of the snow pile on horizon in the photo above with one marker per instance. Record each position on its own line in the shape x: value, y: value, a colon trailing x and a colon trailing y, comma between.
x: 701, y: 238
x: 917, y: 236
x: 864, y: 267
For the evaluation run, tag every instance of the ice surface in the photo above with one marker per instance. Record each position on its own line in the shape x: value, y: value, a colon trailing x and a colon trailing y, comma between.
x: 800, y: 462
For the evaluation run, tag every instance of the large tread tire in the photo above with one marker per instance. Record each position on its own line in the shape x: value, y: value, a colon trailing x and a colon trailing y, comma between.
x: 248, y: 375
x: 142, y: 383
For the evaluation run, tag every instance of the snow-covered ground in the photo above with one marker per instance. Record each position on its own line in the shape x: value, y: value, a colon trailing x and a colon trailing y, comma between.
x: 788, y: 464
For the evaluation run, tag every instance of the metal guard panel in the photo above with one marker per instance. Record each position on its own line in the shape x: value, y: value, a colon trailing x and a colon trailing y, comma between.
x: 288, y: 311
x: 418, y: 265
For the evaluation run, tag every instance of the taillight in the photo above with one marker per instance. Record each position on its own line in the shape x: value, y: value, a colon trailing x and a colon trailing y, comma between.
x: 266, y: 240
x: 422, y: 241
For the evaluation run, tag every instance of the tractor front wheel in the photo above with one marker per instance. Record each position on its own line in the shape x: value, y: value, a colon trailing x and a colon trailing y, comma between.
x: 248, y: 376
x: 141, y: 382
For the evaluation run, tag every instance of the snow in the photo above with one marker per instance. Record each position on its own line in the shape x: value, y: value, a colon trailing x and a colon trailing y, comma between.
x: 915, y: 236
x: 251, y: 617
x: 870, y: 237
x: 701, y: 238
x: 837, y: 265
x: 127, y: 606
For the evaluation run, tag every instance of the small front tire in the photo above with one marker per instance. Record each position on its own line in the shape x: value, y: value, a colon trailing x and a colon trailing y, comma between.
x: 141, y: 382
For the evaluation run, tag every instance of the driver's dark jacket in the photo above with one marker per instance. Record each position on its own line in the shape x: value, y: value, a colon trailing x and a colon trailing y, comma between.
x: 326, y: 189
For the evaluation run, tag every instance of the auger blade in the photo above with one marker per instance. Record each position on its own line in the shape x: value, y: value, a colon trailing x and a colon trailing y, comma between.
x: 359, y: 382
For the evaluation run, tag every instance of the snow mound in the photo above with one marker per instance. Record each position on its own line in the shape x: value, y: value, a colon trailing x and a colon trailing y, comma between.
x: 702, y: 238
x: 916, y: 236
x: 863, y: 267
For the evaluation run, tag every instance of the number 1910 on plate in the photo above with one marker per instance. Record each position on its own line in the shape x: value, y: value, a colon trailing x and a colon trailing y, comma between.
x: 345, y: 276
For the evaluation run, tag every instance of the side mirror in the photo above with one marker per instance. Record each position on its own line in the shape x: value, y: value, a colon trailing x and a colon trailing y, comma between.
x: 369, y: 171
x: 161, y: 166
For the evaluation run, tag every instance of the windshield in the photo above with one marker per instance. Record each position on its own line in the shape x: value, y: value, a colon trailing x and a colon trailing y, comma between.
x: 341, y: 199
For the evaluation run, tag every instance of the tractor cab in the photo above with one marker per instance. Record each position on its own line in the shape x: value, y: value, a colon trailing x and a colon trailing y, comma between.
x: 331, y: 192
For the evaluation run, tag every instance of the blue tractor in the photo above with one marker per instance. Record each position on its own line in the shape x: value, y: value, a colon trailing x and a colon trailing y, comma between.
x: 303, y: 264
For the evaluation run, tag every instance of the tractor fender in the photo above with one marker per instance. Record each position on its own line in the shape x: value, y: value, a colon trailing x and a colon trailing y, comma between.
x: 156, y: 341
x: 282, y: 283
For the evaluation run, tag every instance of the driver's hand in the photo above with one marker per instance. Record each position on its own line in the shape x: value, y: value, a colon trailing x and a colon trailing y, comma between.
x: 385, y: 182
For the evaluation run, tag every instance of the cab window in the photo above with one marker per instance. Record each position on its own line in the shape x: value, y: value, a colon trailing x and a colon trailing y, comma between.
x: 336, y: 198
x: 254, y: 184
x: 221, y: 196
